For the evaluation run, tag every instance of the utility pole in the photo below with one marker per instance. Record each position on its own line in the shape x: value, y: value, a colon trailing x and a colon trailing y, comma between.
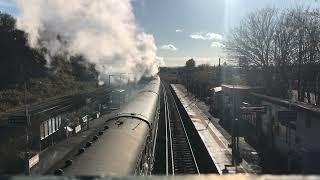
x: 235, y: 131
x: 128, y: 87
x: 233, y: 125
x: 26, y: 118
x: 27, y: 153
x: 120, y: 83
x: 110, y: 80
x: 120, y: 90
x: 219, y: 73
x: 289, y: 129
x: 120, y: 75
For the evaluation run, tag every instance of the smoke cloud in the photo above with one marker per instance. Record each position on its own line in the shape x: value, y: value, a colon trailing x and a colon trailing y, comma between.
x: 103, y: 31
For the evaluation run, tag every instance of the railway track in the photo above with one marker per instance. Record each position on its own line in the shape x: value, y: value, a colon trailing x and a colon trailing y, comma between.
x: 180, y: 158
x: 63, y: 103
x: 68, y: 100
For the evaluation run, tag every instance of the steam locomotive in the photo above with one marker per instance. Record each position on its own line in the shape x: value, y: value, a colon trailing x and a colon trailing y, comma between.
x: 127, y: 145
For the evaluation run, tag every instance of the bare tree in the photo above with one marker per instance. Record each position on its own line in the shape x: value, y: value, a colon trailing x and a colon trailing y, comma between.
x: 253, y: 40
x: 300, y: 24
x: 306, y: 54
x: 284, y: 47
x: 312, y: 45
x: 284, y: 42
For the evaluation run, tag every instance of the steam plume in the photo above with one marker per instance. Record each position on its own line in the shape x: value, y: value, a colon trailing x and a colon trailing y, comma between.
x: 103, y: 31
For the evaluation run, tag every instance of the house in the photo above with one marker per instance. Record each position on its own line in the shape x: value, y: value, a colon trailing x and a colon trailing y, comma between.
x: 229, y: 99
x: 289, y: 128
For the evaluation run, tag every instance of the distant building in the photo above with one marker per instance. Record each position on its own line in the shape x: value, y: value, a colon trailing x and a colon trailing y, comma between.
x: 171, y: 74
x: 290, y: 128
x: 227, y: 101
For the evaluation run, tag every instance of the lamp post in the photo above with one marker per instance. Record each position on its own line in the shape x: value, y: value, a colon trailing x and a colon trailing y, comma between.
x: 235, y: 130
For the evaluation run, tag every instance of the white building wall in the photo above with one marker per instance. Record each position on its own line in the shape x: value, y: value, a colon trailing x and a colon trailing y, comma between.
x: 281, y: 140
x: 304, y: 141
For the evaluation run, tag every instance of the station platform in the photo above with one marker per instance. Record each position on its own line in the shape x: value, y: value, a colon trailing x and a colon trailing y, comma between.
x: 214, y: 141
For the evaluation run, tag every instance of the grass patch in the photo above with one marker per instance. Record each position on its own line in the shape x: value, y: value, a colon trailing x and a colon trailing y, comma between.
x: 42, y: 89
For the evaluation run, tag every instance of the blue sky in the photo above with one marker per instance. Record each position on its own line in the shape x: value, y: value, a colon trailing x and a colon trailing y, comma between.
x: 8, y: 6
x: 191, y: 28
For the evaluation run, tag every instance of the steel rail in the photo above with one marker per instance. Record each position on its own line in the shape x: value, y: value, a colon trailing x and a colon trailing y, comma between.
x: 169, y: 136
x: 166, y: 123
x: 184, y: 130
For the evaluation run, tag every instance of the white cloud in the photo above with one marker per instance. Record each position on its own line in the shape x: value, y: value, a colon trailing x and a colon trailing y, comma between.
x: 207, y: 36
x: 179, y: 30
x: 214, y: 36
x: 7, y: 3
x: 169, y: 47
x: 160, y: 61
x: 217, y: 44
x: 197, y: 36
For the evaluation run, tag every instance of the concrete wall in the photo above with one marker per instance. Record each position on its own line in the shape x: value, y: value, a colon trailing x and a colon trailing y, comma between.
x: 275, y: 130
x: 303, y: 141
x: 309, y: 132
x: 305, y: 137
